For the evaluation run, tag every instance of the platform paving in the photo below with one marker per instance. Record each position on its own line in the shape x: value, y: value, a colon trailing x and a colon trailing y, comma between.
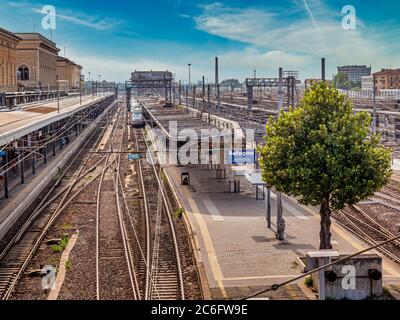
x: 16, y: 123
x: 240, y: 254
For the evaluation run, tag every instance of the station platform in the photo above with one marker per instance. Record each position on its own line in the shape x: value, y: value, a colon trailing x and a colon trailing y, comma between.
x: 239, y: 253
x: 17, y: 123
x: 22, y: 195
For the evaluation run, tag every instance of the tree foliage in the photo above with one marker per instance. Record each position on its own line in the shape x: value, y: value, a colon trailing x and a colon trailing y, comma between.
x: 322, y: 150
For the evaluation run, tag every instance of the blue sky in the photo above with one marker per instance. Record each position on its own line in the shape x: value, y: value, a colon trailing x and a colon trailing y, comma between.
x: 112, y: 38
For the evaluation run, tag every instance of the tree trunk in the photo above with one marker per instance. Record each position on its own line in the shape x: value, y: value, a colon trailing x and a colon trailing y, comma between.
x: 325, y: 233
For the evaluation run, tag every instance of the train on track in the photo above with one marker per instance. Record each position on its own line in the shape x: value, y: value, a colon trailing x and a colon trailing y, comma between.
x: 137, y: 120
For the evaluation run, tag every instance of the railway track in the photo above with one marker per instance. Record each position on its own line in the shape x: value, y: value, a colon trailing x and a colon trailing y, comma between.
x: 115, y: 274
x: 358, y: 220
x: 133, y: 239
x: 160, y: 264
x: 16, y: 256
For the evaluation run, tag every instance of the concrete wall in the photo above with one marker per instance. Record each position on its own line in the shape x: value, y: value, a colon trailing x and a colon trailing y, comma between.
x: 364, y: 285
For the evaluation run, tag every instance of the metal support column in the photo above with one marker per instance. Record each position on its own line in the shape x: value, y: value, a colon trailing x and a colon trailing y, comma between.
x: 44, y: 150
x: 194, y: 98
x: 203, y: 107
x: 209, y: 102
x: 6, y: 174
x: 280, y: 102
x: 166, y: 90
x: 218, y: 93
x: 53, y: 141
x: 374, y: 106
x: 250, y: 97
x: 33, y: 162
x: 187, y: 98
x: 21, y: 168
x: 179, y: 92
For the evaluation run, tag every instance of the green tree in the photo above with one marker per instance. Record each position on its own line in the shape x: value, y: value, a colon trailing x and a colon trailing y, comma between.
x: 322, y: 154
x: 341, y: 81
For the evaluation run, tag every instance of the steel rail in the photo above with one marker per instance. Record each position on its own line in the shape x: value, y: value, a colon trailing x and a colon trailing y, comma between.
x: 171, y: 223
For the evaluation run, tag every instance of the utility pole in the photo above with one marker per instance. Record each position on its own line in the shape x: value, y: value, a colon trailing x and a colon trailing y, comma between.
x: 374, y: 106
x: 204, y: 97
x: 99, y: 85
x: 194, y: 97
x: 323, y: 69
x: 209, y: 102
x: 179, y: 92
x: 280, y: 102
x: 187, y: 98
x: 189, y: 65
x: 280, y: 222
x: 80, y: 90
x: 217, y: 84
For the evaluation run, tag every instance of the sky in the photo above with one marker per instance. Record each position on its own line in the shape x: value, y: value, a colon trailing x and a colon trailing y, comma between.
x: 114, y: 38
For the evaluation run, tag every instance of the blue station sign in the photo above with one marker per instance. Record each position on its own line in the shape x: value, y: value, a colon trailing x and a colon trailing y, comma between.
x: 242, y: 156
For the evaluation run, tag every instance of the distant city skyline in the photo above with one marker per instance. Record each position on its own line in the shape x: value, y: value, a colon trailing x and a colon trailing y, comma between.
x: 113, y: 39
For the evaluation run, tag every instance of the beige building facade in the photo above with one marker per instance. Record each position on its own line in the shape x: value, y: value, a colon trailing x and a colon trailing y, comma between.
x: 8, y: 59
x: 69, y: 72
x: 387, y: 79
x: 36, y: 60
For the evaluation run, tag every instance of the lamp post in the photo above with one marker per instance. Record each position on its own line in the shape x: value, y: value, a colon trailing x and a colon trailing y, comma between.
x: 189, y: 65
x: 374, y: 105
x: 99, y: 85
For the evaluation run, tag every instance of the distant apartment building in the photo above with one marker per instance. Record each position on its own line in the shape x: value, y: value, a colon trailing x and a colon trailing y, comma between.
x: 387, y: 79
x: 367, y: 83
x: 8, y: 58
x: 36, y: 60
x: 69, y: 72
x: 355, y: 73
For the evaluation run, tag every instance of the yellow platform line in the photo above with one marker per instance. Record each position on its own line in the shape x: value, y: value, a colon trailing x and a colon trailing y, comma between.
x: 280, y: 276
x: 210, y: 249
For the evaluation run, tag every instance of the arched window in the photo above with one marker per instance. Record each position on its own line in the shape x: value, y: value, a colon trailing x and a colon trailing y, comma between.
x: 23, y: 72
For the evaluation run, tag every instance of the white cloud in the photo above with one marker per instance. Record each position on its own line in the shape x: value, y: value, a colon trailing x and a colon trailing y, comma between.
x: 82, y: 19
x: 308, y: 31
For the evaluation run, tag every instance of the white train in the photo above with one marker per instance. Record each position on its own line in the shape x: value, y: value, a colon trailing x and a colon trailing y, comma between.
x: 137, y: 120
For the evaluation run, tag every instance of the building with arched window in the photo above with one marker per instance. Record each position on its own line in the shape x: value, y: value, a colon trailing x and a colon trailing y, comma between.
x: 23, y: 72
x: 8, y: 57
x: 36, y: 60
